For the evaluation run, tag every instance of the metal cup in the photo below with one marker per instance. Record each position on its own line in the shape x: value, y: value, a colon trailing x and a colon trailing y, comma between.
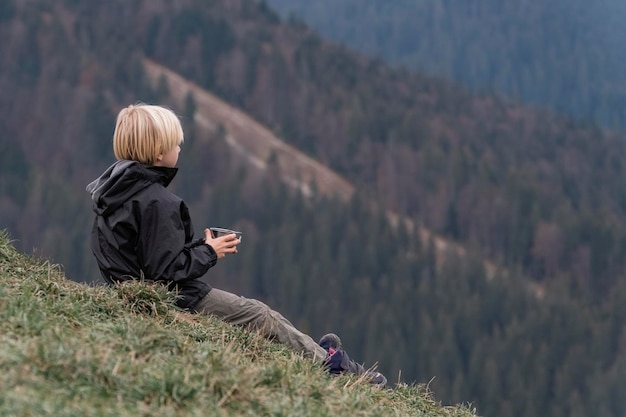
x: 219, y: 231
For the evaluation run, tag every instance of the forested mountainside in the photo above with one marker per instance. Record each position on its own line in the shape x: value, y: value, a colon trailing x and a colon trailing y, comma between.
x: 566, y: 55
x: 430, y: 151
x: 539, y: 195
x: 554, y: 190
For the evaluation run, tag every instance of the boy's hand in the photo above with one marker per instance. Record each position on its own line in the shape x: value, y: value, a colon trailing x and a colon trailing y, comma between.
x: 222, y: 245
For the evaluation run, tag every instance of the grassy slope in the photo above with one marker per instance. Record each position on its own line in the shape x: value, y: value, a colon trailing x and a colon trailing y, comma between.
x: 68, y: 349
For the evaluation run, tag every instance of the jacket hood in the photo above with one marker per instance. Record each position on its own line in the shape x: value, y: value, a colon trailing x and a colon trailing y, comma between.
x: 124, y: 179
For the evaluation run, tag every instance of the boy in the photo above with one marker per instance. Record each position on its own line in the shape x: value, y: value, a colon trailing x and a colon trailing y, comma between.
x: 143, y: 231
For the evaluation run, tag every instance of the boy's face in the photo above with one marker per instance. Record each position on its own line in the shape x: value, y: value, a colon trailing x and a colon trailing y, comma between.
x: 168, y: 159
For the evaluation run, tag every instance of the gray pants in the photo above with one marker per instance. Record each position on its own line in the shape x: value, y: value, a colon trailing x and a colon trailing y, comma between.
x: 243, y: 311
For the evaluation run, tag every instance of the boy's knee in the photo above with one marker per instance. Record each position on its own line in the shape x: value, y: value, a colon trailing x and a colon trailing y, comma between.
x: 265, y: 316
x: 263, y: 311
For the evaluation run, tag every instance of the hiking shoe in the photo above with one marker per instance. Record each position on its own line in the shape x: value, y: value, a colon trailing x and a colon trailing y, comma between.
x: 338, y: 362
x: 330, y: 340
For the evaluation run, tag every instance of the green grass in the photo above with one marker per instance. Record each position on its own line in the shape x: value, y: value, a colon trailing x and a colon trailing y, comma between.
x: 69, y: 349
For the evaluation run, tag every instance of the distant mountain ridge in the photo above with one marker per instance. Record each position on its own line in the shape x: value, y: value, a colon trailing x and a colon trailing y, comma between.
x: 564, y: 55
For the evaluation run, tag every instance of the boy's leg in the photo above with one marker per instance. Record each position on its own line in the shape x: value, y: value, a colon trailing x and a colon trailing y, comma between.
x: 243, y: 311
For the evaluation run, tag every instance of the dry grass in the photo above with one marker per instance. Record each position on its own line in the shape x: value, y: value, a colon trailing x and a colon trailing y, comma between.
x: 68, y: 349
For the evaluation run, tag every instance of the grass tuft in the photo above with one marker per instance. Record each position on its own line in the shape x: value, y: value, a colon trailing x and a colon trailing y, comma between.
x: 69, y: 349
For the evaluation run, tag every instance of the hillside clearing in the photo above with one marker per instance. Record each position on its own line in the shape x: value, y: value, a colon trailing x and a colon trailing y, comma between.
x: 72, y: 349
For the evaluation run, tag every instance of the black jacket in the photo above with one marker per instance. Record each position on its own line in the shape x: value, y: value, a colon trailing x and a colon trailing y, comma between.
x: 143, y: 231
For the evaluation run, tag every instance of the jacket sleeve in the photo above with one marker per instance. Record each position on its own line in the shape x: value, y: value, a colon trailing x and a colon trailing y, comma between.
x: 165, y: 247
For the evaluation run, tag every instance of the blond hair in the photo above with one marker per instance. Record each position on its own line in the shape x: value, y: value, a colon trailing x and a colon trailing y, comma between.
x: 143, y: 132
